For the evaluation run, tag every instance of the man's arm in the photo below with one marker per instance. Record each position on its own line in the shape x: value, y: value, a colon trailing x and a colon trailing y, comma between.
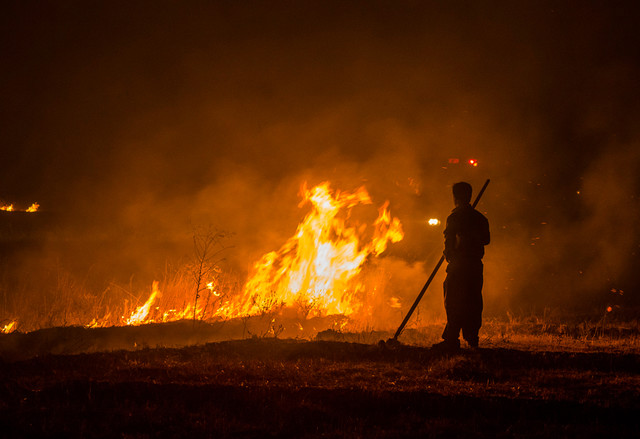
x: 486, y: 235
x: 449, y: 240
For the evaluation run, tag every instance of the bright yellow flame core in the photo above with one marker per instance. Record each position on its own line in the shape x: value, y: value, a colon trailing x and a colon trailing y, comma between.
x: 7, y: 207
x: 318, y: 266
x: 140, y: 314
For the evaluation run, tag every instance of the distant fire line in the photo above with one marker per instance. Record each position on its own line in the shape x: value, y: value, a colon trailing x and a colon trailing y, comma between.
x: 11, y: 208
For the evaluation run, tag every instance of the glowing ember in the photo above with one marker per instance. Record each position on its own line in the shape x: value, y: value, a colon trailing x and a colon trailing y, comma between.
x: 317, y: 268
x: 212, y: 288
x: 433, y: 221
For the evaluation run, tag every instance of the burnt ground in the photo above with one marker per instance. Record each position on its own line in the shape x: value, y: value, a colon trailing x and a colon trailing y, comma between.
x: 289, y: 388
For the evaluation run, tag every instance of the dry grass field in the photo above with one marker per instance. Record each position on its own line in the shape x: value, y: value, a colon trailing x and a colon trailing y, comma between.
x: 525, y: 381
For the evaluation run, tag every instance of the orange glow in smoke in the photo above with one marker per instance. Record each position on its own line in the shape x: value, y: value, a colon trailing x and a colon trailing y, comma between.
x: 394, y: 302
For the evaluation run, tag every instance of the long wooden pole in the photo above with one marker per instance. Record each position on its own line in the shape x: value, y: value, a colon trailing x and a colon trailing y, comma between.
x: 433, y: 274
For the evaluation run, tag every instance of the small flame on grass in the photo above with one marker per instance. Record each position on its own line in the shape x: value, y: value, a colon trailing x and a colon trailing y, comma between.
x: 7, y: 208
x: 139, y: 315
x: 10, y: 327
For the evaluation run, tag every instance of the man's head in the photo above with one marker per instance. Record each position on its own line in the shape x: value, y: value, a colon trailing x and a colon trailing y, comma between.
x: 461, y: 193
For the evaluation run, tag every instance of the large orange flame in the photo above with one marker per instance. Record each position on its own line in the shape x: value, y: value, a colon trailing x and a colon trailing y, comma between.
x: 318, y: 267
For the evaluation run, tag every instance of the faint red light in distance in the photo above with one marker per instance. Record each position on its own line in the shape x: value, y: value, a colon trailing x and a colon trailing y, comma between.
x: 473, y: 162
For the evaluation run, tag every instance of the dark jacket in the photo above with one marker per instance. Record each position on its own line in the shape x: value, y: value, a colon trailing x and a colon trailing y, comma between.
x: 465, y: 235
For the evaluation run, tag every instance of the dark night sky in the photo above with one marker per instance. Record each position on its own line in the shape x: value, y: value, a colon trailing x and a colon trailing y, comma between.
x: 157, y: 113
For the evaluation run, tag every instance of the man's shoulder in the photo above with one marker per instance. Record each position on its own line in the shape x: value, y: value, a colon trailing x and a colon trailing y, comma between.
x: 462, y: 211
x: 466, y: 213
x: 479, y: 214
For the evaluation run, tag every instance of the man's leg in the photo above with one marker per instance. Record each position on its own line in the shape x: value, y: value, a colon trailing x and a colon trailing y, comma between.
x: 473, y: 307
x: 453, y: 308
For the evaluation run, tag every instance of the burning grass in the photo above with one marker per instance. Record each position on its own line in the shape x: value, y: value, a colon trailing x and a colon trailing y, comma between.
x: 326, y: 268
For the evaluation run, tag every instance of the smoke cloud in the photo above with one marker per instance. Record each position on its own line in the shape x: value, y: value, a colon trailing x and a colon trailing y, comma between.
x: 134, y: 124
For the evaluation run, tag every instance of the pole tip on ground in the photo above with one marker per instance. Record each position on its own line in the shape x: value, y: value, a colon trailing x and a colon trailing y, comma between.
x: 389, y: 344
x: 393, y: 343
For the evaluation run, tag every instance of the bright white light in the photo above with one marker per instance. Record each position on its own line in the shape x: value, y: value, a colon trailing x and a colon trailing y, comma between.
x: 433, y: 221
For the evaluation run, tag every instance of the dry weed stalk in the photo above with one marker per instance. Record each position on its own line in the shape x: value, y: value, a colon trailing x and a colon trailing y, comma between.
x: 208, y: 245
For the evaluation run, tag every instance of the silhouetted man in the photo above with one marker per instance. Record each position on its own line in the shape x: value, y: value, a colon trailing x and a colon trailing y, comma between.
x: 465, y: 235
